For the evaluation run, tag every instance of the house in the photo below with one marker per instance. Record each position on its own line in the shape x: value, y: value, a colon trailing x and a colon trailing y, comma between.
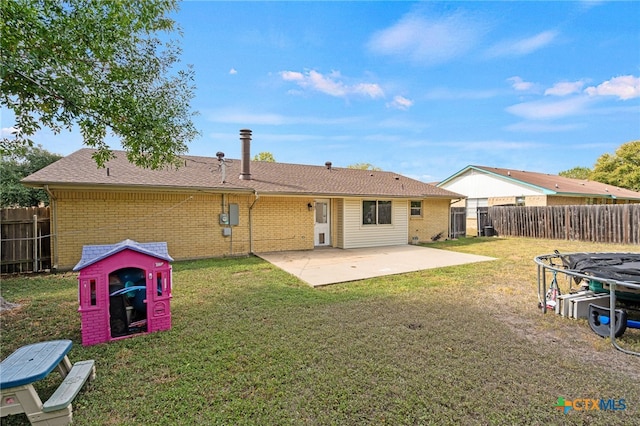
x: 124, y: 289
x: 215, y: 207
x: 490, y: 186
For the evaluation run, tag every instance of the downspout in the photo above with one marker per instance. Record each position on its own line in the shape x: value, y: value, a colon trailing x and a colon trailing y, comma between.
x: 54, y: 227
x: 251, y: 221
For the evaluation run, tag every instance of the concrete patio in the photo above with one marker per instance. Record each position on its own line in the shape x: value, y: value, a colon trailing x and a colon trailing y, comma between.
x: 324, y: 266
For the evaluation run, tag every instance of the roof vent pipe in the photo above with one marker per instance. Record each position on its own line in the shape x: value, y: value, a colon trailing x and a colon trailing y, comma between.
x: 245, y: 137
x: 328, y: 165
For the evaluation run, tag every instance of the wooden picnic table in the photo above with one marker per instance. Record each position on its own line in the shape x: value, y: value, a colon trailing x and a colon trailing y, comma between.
x: 31, y: 363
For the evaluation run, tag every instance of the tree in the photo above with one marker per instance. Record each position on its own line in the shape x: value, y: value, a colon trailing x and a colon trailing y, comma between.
x: 102, y: 66
x: 364, y: 166
x: 621, y: 169
x: 577, y: 173
x: 264, y: 156
x: 14, y: 168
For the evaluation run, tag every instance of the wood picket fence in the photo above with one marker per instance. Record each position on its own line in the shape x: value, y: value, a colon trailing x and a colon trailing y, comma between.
x: 25, y: 240
x: 603, y: 223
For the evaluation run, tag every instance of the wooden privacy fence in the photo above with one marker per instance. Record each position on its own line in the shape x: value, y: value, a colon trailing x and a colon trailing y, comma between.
x: 605, y: 223
x: 25, y: 241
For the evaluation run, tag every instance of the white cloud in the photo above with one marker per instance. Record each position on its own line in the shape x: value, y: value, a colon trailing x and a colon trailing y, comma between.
x: 369, y: 89
x: 523, y: 46
x: 545, y: 109
x: 233, y: 71
x: 542, y: 127
x: 332, y: 84
x: 428, y: 41
x: 291, y: 75
x: 565, y: 88
x: 520, y: 85
x: 8, y: 131
x: 624, y: 87
x: 324, y: 84
x: 400, y: 102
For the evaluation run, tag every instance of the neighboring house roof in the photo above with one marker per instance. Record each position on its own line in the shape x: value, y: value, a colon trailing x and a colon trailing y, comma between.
x: 552, y: 184
x: 95, y: 253
x: 204, y: 173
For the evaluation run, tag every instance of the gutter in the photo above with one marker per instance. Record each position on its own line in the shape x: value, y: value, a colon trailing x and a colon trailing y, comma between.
x: 141, y: 187
x: 54, y: 227
x: 251, y: 221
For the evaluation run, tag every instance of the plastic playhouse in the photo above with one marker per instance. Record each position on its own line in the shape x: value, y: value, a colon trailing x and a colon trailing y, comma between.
x: 124, y: 289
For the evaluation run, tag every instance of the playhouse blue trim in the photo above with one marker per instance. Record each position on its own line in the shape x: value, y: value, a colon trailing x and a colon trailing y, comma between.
x: 94, y: 254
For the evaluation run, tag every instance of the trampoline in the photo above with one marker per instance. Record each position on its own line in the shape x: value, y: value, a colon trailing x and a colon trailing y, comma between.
x: 617, y: 274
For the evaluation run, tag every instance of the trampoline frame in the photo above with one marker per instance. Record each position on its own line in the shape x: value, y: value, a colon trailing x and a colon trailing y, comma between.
x: 546, y: 263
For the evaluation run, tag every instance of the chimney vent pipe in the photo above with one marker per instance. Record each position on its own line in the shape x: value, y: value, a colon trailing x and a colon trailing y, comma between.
x: 245, y: 138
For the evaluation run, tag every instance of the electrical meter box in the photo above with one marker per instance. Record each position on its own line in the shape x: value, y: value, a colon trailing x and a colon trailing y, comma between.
x: 231, y: 218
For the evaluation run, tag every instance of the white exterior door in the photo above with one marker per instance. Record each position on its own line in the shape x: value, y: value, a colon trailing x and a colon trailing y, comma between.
x: 322, y: 230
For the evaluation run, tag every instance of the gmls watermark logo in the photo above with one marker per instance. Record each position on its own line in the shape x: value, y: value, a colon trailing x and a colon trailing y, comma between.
x: 589, y: 404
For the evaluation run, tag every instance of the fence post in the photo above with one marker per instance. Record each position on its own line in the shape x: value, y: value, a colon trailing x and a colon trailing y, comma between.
x: 35, y: 243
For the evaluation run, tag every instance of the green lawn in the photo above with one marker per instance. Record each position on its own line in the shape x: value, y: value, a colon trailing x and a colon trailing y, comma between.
x: 251, y: 344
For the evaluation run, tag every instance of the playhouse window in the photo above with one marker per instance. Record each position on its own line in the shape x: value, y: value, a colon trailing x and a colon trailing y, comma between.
x: 159, y: 283
x: 92, y: 290
x: 88, y: 293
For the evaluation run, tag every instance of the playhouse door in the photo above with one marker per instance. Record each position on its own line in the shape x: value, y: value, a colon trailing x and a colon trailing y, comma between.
x: 127, y: 301
x: 160, y: 309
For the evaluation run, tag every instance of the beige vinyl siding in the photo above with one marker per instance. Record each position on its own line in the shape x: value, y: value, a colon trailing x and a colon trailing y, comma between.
x: 358, y: 235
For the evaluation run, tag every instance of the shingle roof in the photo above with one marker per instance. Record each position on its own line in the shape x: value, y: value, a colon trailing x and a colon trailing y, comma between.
x: 559, y: 185
x: 79, y: 168
x: 94, y: 253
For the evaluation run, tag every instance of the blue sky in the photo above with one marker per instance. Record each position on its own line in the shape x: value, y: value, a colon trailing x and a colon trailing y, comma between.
x: 422, y: 89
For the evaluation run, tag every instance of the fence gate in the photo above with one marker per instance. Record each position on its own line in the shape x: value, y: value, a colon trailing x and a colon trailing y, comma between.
x: 458, y: 222
x: 484, y: 221
x: 25, y: 241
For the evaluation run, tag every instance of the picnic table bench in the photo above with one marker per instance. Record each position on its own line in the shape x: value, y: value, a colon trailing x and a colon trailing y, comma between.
x: 31, y: 363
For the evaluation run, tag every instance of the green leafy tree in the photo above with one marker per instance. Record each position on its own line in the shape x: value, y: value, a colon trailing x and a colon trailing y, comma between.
x: 264, y: 156
x: 577, y: 173
x: 14, y: 168
x: 621, y: 169
x: 101, y: 66
x: 364, y: 166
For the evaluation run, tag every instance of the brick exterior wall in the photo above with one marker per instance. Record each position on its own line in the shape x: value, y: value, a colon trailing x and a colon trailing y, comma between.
x: 501, y: 201
x: 281, y: 223
x: 535, y: 201
x: 188, y: 221
x: 435, y: 219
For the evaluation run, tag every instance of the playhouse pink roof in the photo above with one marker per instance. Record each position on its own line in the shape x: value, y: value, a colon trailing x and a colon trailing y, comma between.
x: 94, y: 253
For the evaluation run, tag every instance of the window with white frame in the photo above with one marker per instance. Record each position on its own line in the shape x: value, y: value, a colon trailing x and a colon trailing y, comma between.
x: 376, y: 212
x: 473, y: 204
x: 416, y: 208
